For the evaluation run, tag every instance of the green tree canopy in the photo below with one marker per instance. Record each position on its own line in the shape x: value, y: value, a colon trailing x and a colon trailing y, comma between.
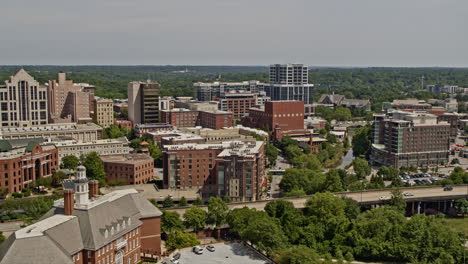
x: 179, y: 239
x: 361, y: 168
x: 94, y: 166
x: 195, y: 218
x: 361, y: 141
x: 217, y: 211
x: 297, y: 255
x: 170, y: 221
x: 70, y: 162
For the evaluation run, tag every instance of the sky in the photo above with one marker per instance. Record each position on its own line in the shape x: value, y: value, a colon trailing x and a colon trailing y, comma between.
x: 408, y: 33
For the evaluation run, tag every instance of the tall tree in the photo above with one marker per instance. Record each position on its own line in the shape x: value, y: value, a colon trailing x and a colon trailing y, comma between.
x: 361, y: 141
x: 94, y: 166
x: 217, y: 211
x: 171, y: 221
x: 70, y: 162
x: 361, y: 168
x: 195, y: 218
x: 397, y: 200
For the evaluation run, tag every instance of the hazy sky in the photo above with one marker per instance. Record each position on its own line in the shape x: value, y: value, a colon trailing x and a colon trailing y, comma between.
x: 235, y: 32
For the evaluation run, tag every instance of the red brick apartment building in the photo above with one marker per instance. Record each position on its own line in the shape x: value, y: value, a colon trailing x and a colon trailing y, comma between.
x: 181, y: 117
x: 230, y: 168
x: 134, y: 168
x: 22, y: 162
x: 86, y: 228
x: 238, y: 102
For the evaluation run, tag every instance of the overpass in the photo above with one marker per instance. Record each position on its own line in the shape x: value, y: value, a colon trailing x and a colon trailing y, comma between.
x: 418, y: 198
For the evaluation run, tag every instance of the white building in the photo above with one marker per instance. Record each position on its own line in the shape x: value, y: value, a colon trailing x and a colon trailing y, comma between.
x: 103, y: 147
x: 23, y: 101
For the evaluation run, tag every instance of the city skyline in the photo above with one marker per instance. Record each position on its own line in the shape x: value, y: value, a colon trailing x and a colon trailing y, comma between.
x: 319, y: 33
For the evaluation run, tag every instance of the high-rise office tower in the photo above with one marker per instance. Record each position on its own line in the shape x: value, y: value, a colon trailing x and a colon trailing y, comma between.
x: 289, y: 82
x: 143, y: 102
x: 23, y: 102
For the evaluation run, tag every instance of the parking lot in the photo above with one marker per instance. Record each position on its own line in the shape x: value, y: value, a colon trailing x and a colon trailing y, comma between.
x: 225, y: 253
x: 421, y: 178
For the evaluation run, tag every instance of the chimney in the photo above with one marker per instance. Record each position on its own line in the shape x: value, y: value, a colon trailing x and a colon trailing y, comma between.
x: 68, y: 201
x: 93, y: 188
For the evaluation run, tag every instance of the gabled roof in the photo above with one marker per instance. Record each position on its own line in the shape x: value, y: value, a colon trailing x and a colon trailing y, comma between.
x: 51, y: 241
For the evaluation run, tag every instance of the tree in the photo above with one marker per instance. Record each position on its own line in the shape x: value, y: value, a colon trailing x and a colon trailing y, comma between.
x: 183, y: 202
x: 168, y: 202
x: 361, y: 141
x: 2, y: 237
x: 70, y: 162
x: 198, y: 201
x: 264, y: 233
x: 308, y: 180
x: 333, y: 182
x: 278, y: 208
x: 388, y: 173
x: 3, y: 193
x: 195, y: 218
x: 361, y: 168
x: 271, y: 152
x: 397, y: 200
x: 307, y: 161
x: 171, y: 221
x: 217, y: 211
x: 462, y: 206
x: 94, y: 166
x: 297, y: 255
x: 179, y: 239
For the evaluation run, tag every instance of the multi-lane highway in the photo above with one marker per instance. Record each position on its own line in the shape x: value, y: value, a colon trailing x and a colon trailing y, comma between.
x: 430, y: 193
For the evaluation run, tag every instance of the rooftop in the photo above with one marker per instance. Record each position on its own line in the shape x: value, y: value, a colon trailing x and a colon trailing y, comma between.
x: 131, y: 158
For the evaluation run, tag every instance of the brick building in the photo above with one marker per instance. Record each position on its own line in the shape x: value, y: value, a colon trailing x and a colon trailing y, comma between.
x: 232, y: 168
x: 135, y: 168
x: 277, y: 117
x: 237, y: 102
x: 85, y: 228
x: 123, y: 123
x: 409, y: 140
x: 69, y: 102
x: 180, y: 117
x: 215, y: 120
x: 22, y: 162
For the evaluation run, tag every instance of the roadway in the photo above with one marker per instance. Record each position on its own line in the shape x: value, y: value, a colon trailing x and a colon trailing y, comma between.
x: 370, y: 197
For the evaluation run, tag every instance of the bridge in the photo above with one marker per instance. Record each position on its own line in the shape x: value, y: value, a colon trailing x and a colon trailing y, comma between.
x: 418, y: 198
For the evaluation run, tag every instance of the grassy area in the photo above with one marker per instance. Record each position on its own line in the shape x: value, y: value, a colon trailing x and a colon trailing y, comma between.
x: 456, y: 224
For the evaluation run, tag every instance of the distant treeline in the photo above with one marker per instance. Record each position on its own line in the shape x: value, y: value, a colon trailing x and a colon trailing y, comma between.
x: 377, y: 84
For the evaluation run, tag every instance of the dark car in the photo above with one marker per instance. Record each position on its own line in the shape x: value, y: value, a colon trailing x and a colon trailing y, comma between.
x: 448, y: 188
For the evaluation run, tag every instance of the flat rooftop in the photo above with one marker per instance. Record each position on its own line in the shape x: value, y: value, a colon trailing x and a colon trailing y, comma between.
x: 131, y: 158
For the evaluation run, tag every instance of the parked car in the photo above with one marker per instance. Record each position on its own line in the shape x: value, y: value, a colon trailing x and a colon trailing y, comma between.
x: 448, y: 188
x: 176, y: 256
x: 210, y: 248
x: 198, y: 250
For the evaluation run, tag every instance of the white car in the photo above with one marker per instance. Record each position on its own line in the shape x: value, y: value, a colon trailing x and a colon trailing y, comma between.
x: 384, y: 198
x: 408, y: 194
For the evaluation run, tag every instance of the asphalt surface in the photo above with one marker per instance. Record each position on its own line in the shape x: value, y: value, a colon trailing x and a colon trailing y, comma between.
x: 225, y: 253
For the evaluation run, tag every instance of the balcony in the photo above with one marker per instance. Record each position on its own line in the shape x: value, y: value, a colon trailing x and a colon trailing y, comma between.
x: 121, y: 243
